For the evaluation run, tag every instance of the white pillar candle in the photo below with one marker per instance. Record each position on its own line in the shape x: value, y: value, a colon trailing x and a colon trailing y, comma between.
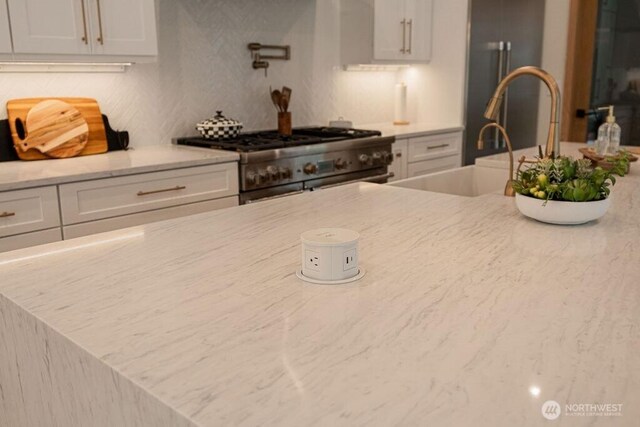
x: 401, y: 105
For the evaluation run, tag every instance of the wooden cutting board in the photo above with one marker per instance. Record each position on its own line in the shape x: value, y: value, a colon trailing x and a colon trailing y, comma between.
x: 18, y: 110
x: 56, y: 129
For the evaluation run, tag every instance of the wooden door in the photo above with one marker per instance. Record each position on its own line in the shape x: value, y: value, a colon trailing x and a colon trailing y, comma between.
x: 579, y: 69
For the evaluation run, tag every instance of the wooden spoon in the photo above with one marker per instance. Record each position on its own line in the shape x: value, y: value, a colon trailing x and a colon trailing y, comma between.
x: 286, y: 93
x: 276, y: 97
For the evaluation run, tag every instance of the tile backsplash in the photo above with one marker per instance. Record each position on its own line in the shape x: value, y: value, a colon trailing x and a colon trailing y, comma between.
x: 204, y: 65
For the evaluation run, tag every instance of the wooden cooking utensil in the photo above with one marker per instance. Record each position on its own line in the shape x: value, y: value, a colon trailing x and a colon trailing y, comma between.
x: 56, y: 129
x: 97, y: 141
x: 276, y: 97
x: 286, y: 98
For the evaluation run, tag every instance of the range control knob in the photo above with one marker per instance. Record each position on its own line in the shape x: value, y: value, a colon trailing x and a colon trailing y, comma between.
x: 364, y: 159
x: 387, y: 157
x: 377, y: 157
x: 262, y: 174
x: 340, y: 164
x: 310, y: 168
x: 285, y: 173
x: 273, y: 173
x: 253, y: 178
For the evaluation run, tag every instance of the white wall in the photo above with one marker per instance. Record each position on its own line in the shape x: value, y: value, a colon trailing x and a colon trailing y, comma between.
x: 554, y: 57
x: 204, y: 65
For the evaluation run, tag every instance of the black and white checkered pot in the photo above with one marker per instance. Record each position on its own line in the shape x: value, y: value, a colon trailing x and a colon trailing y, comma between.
x: 219, y: 127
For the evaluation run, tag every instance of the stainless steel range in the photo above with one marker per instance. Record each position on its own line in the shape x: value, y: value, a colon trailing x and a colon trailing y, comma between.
x: 272, y: 165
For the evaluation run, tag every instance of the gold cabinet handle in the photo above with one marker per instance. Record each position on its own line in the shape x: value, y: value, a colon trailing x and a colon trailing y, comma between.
x: 176, y: 188
x: 101, y: 36
x: 7, y: 214
x: 398, y: 155
x: 410, y: 24
x: 85, y: 38
x: 433, y: 147
x: 404, y: 36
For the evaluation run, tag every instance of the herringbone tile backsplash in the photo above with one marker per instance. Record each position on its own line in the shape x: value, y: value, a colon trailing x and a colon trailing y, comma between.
x: 204, y: 66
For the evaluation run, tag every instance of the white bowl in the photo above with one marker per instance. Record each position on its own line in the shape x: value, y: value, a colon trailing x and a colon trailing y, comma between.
x: 559, y: 212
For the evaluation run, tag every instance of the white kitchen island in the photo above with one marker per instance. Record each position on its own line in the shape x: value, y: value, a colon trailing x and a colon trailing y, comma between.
x: 469, y: 314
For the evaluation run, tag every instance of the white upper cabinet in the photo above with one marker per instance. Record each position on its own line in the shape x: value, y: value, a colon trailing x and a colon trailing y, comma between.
x: 390, y: 30
x: 386, y: 31
x: 49, y: 26
x: 418, y: 15
x: 83, y: 27
x: 5, y: 33
x: 402, y: 30
x: 124, y: 27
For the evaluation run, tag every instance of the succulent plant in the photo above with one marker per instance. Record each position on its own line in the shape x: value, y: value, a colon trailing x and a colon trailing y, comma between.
x: 563, y: 178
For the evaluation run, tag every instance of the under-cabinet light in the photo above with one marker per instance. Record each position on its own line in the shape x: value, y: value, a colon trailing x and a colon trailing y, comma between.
x: 375, y: 67
x: 63, y: 67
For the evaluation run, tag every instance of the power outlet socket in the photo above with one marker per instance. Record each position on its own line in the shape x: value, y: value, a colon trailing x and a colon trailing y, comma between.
x: 349, y: 260
x: 312, y: 260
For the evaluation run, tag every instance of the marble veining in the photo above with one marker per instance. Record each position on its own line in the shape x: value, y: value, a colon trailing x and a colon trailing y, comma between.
x: 465, y: 306
x: 20, y: 174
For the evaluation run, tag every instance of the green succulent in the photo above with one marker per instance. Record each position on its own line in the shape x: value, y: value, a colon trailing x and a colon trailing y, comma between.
x: 564, y: 178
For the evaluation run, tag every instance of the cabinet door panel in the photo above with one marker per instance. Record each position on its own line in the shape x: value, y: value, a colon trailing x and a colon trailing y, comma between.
x: 400, y: 156
x: 419, y: 28
x: 124, y: 27
x: 5, y: 34
x: 49, y: 26
x: 389, y: 29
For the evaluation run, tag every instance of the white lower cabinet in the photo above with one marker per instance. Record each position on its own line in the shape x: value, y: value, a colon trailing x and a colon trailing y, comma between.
x: 47, y: 214
x: 24, y: 211
x: 432, y: 166
x: 422, y: 155
x: 399, y: 165
x: 111, y: 197
x: 110, y: 224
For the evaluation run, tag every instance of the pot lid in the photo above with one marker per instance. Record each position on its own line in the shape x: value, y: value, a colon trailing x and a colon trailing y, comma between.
x: 220, y: 120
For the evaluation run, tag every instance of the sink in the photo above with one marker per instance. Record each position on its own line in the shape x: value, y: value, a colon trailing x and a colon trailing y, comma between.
x: 468, y: 181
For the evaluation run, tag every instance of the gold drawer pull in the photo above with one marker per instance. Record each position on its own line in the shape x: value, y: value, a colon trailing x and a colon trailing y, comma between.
x: 176, y: 188
x: 433, y: 147
x: 7, y: 214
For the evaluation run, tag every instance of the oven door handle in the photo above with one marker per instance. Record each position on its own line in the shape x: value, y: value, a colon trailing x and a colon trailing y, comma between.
x: 368, y: 179
x: 279, y: 196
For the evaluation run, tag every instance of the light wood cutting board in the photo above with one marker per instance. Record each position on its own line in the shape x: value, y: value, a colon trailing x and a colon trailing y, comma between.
x: 18, y: 110
x: 56, y: 129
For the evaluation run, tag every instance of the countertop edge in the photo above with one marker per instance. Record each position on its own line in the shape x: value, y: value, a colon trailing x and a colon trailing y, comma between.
x: 112, y: 173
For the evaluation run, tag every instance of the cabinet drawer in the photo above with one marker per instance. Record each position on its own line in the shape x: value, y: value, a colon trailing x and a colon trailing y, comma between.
x: 23, y: 211
x: 435, y: 165
x: 107, y: 198
x: 110, y: 224
x: 434, y: 146
x: 11, y: 243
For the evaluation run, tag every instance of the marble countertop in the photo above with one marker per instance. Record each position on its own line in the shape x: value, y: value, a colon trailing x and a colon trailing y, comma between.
x: 411, y: 130
x: 19, y: 174
x: 469, y: 313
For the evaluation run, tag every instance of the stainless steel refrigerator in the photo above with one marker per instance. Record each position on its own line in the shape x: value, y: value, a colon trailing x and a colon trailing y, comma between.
x: 504, y: 35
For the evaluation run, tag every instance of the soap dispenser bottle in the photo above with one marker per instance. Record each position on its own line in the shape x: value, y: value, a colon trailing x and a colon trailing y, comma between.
x: 609, y: 133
